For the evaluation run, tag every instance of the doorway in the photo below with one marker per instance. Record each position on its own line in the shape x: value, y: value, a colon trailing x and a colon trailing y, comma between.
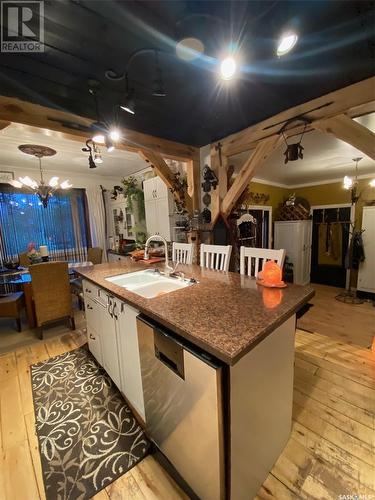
x: 330, y: 240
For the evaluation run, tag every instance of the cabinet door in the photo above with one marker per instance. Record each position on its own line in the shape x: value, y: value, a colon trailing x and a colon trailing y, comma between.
x: 109, y: 341
x: 151, y: 217
x: 93, y: 313
x: 161, y: 188
x: 366, y: 274
x: 149, y: 189
x: 163, y: 218
x: 130, y: 368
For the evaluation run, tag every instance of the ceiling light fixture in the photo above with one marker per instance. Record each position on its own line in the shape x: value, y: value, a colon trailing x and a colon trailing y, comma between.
x: 228, y: 68
x: 294, y: 151
x: 351, y: 183
x: 286, y: 43
x: 41, y: 189
x: 88, y: 149
x: 114, y: 135
x: 128, y: 105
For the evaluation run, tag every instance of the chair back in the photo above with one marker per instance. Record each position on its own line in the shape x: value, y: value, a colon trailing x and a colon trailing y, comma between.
x: 252, y: 259
x: 24, y: 259
x: 182, y: 252
x: 51, y: 291
x: 94, y: 255
x: 215, y: 256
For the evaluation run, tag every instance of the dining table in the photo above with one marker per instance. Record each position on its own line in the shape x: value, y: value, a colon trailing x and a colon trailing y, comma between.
x: 20, y: 279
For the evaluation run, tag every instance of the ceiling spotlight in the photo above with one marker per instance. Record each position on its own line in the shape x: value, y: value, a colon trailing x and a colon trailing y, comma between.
x: 128, y: 106
x: 99, y: 130
x: 114, y: 135
x: 189, y: 49
x: 228, y: 68
x: 286, y: 43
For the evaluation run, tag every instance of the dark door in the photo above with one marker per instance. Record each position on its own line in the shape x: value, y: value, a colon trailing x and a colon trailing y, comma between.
x: 330, y: 238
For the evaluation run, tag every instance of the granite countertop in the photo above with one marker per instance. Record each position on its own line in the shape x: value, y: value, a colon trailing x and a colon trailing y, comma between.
x: 225, y: 314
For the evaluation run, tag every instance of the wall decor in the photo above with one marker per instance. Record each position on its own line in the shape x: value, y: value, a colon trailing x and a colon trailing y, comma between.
x: 6, y: 176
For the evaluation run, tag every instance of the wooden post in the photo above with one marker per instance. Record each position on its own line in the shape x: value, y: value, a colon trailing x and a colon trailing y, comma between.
x: 260, y: 154
x: 349, y: 131
x: 193, y: 180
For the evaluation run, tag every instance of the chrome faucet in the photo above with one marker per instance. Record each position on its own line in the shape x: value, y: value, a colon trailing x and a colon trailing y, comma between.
x: 157, y: 237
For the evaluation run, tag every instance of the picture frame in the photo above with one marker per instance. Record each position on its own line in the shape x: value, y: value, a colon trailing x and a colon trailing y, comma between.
x: 6, y: 176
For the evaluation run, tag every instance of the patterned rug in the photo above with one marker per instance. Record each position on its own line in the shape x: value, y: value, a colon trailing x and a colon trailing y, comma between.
x: 88, y: 436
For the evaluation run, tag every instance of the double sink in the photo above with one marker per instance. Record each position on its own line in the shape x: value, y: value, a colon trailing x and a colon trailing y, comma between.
x: 149, y: 283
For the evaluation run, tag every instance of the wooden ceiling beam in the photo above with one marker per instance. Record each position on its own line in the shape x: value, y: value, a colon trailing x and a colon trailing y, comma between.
x: 4, y: 124
x: 255, y: 160
x: 359, y: 96
x: 73, y: 128
x: 193, y: 181
x: 348, y: 130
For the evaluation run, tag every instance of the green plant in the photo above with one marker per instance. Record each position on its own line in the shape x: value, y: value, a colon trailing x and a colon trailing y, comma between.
x: 133, y: 193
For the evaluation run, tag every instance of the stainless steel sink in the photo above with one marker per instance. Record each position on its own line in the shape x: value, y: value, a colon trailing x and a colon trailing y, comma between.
x: 148, y: 283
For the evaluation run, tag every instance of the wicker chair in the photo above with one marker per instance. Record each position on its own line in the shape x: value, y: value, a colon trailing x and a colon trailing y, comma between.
x: 24, y: 259
x: 94, y: 255
x: 11, y: 306
x: 51, y: 294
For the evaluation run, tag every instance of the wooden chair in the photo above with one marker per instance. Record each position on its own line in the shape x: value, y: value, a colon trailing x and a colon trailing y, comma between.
x: 215, y: 257
x: 51, y: 294
x: 182, y: 252
x: 24, y: 259
x: 252, y: 259
x: 94, y: 255
x: 11, y: 306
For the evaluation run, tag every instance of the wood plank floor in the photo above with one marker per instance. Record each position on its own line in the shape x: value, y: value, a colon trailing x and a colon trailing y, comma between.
x: 330, y: 452
x: 351, y: 324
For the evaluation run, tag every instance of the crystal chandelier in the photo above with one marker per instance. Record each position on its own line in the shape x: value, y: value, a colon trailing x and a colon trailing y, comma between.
x: 41, y: 189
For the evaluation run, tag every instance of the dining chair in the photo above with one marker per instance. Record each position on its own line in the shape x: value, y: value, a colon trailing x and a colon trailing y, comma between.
x: 11, y: 306
x: 94, y: 255
x: 51, y: 294
x: 182, y: 253
x: 24, y: 259
x: 215, y: 256
x: 252, y: 259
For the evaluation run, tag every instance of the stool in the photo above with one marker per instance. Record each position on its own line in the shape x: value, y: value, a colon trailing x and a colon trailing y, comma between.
x: 11, y: 306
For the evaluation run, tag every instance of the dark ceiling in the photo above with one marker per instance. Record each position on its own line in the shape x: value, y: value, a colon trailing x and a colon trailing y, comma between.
x: 83, y: 39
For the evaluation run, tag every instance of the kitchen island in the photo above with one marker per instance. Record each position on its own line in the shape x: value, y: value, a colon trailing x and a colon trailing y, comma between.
x: 222, y: 414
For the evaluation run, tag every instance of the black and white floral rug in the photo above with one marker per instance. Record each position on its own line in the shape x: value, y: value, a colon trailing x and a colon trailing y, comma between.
x: 88, y: 436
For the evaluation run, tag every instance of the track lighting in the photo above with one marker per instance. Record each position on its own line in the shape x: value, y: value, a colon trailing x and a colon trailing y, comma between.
x: 128, y: 105
x: 97, y: 155
x: 114, y: 135
x: 286, y: 43
x: 88, y: 149
x: 228, y: 68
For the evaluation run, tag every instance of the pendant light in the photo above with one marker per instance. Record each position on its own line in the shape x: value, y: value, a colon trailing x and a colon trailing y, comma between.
x: 41, y: 189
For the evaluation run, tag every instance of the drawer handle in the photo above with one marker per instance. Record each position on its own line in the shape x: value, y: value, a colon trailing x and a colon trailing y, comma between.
x: 92, y: 337
x: 89, y: 307
x: 87, y: 290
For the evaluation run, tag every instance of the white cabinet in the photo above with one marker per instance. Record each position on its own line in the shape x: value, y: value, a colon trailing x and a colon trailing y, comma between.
x: 130, y: 368
x: 113, y: 341
x: 114, y: 257
x: 295, y: 237
x: 159, y: 208
x: 366, y: 273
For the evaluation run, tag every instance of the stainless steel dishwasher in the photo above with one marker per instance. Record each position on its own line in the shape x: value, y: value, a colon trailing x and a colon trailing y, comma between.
x: 183, y: 407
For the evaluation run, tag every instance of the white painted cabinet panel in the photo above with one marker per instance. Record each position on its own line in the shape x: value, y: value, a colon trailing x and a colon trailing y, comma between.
x: 92, y: 311
x: 295, y: 237
x: 159, y: 208
x: 366, y: 273
x: 130, y: 369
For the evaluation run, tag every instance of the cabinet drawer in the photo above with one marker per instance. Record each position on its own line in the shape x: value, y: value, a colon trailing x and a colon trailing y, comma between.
x: 90, y: 290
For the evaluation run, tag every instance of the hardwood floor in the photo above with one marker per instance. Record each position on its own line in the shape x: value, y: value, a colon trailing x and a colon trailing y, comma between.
x: 351, y: 324
x: 330, y: 452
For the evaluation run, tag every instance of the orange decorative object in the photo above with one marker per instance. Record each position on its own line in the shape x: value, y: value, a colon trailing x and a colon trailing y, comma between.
x: 271, y: 275
x: 271, y: 297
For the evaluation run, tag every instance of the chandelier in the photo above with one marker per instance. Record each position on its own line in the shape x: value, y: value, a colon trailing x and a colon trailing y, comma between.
x: 351, y: 183
x: 41, y: 189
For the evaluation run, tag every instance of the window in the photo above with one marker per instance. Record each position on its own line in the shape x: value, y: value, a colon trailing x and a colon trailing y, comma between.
x: 61, y: 226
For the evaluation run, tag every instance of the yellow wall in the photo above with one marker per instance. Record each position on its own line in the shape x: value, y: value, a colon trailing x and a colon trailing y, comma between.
x: 323, y: 194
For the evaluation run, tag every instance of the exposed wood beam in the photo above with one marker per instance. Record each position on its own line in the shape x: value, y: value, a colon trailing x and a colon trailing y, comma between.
x: 359, y: 96
x: 18, y: 111
x: 349, y: 131
x: 193, y: 180
x: 256, y: 159
x: 4, y: 124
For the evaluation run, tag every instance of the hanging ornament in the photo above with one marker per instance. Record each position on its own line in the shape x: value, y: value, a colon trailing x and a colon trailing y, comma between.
x: 295, y: 150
